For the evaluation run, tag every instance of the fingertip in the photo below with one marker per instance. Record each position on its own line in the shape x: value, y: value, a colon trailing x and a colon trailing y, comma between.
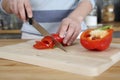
x: 61, y: 35
x: 65, y: 41
x: 24, y: 20
x: 30, y: 14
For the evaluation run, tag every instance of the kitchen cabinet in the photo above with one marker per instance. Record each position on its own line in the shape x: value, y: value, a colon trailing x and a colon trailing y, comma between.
x: 9, y: 26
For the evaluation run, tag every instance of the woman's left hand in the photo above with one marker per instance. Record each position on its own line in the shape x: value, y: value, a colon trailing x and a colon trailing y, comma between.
x: 69, y: 29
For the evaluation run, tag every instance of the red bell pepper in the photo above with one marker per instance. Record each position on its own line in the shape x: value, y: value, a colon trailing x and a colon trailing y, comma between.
x: 57, y: 37
x: 97, y: 39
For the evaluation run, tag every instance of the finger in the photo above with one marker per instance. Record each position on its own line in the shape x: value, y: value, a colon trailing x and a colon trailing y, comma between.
x: 19, y: 16
x: 69, y: 33
x: 63, y: 28
x: 16, y: 9
x: 74, y: 36
x: 11, y: 5
x: 21, y: 10
x: 28, y: 8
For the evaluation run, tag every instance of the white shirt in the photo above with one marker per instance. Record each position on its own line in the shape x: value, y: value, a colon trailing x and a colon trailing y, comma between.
x: 49, y: 14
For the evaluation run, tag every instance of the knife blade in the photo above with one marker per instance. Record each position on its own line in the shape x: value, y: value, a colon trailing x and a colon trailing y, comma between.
x: 44, y: 32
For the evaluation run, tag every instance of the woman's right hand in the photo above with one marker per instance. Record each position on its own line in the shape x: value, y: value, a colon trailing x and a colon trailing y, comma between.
x: 18, y: 8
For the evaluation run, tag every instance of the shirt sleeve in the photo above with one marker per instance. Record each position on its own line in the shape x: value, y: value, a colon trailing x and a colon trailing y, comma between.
x: 1, y: 8
x: 91, y: 1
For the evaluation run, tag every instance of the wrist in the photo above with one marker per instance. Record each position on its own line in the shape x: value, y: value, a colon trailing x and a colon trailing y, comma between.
x: 79, y: 19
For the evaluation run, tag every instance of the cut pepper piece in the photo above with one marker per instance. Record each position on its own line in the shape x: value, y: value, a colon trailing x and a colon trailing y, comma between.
x: 47, y: 42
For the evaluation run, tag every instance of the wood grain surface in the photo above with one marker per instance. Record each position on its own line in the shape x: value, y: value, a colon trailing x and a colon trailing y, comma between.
x: 19, y: 71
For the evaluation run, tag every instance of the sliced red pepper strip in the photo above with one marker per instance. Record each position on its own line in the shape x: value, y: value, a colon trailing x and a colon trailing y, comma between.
x: 40, y: 45
x: 57, y: 37
x: 47, y: 42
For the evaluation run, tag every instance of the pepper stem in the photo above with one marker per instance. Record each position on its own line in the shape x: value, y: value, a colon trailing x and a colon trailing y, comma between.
x: 105, y: 27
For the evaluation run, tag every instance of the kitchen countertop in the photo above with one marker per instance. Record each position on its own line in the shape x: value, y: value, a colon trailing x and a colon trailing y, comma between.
x: 12, y: 70
x: 10, y: 31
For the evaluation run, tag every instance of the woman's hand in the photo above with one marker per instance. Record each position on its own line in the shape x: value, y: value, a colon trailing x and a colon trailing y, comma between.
x: 18, y: 8
x: 69, y: 29
x: 71, y: 26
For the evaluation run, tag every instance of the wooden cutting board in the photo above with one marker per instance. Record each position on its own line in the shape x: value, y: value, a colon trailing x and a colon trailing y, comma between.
x: 76, y: 60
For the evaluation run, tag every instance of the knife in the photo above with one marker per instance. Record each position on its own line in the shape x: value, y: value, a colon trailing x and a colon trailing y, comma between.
x: 44, y: 32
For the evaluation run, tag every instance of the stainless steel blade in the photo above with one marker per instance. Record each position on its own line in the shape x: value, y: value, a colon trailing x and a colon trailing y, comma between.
x: 40, y: 28
x: 46, y: 33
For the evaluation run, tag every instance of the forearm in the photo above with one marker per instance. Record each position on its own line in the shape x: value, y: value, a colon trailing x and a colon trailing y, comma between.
x: 5, y: 6
x: 81, y: 11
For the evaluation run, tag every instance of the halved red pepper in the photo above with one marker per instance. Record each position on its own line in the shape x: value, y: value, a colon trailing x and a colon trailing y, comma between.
x: 97, y: 39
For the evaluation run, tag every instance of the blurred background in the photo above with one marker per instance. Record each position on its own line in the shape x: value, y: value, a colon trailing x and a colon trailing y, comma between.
x: 9, y: 26
x: 116, y: 4
x: 105, y: 12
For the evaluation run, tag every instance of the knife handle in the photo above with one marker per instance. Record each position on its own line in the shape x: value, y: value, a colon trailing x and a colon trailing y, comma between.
x: 30, y: 20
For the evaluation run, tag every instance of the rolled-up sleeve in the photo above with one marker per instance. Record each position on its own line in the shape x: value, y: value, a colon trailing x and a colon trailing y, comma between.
x: 91, y: 1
